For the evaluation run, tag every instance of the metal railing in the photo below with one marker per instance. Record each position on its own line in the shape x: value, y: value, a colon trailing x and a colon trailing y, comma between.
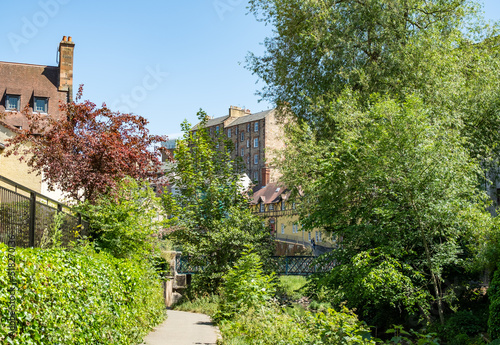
x: 281, y: 265
x: 27, y: 217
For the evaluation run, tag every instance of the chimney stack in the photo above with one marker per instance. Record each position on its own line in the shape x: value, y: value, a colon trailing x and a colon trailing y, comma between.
x: 66, y: 48
x: 236, y: 111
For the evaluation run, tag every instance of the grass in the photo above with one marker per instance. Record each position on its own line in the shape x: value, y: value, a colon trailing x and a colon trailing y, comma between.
x: 206, y: 304
x: 291, y: 285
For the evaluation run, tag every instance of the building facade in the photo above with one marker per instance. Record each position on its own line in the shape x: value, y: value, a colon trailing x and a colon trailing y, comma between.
x: 273, y: 204
x: 33, y: 89
x: 254, y: 137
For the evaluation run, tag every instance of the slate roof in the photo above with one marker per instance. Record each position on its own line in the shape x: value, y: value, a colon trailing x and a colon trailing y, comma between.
x: 213, y: 122
x: 250, y: 118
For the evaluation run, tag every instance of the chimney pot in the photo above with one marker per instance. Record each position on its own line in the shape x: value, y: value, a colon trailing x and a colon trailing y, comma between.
x: 69, y: 38
x: 64, y: 39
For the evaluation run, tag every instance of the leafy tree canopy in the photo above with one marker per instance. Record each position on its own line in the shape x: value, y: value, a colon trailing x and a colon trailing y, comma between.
x: 89, y: 151
x: 215, y: 224
x: 403, y: 47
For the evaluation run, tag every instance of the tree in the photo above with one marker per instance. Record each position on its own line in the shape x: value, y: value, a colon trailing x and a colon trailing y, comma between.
x: 87, y: 153
x: 399, y: 181
x: 129, y: 222
x: 402, y: 47
x: 214, y: 221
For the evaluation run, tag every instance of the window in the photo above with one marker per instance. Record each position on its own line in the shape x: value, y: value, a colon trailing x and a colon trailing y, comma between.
x: 242, y: 152
x: 293, y: 206
x: 256, y: 159
x: 271, y: 207
x: 248, y: 160
x: 12, y: 102
x: 283, y: 205
x: 309, y: 236
x: 256, y: 176
x: 317, y: 237
x: 40, y: 105
x: 256, y: 127
x: 282, y: 228
x: 211, y: 130
x: 248, y: 127
x: 262, y: 207
x: 248, y: 142
x: 236, y: 131
x: 256, y: 142
x: 216, y: 129
x: 242, y: 136
x: 217, y: 146
x: 229, y: 133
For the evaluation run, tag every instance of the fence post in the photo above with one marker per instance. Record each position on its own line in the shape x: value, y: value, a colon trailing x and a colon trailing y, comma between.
x: 32, y: 221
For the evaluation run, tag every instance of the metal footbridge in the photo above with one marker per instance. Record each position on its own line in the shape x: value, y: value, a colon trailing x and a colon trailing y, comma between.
x: 281, y: 265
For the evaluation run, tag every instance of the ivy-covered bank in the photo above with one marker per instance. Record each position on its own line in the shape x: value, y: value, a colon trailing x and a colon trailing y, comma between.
x: 77, y: 297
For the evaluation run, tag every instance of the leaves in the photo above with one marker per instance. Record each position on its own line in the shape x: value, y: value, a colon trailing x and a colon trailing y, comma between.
x: 86, y: 153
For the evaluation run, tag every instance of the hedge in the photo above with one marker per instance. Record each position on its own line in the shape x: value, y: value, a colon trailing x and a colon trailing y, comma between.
x: 78, y: 297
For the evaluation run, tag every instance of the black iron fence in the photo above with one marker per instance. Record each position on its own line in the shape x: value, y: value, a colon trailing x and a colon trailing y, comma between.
x: 32, y: 220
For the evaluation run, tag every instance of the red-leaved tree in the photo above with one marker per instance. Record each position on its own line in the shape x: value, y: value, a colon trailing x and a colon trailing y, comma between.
x: 86, y: 153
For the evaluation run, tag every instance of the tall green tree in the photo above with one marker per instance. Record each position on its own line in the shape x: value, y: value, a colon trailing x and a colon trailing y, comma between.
x: 398, y: 47
x: 397, y: 180
x: 214, y: 222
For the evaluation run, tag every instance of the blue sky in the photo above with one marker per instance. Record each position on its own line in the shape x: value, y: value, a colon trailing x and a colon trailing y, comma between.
x: 163, y: 60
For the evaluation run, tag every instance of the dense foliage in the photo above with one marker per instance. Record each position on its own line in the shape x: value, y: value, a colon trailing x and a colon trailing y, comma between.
x: 396, y: 118
x: 245, y: 287
x: 214, y: 222
x: 129, y: 222
x: 86, y: 153
x: 494, y: 318
x: 78, y: 297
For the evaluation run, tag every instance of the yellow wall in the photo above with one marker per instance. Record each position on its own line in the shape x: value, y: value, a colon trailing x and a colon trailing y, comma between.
x: 13, y: 169
x: 284, y: 225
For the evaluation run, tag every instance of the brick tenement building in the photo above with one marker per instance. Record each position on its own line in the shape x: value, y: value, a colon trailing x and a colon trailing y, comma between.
x: 254, y: 136
x: 42, y: 88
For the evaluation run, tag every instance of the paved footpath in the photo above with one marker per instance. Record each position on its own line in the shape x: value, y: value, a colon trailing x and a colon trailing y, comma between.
x: 183, y: 328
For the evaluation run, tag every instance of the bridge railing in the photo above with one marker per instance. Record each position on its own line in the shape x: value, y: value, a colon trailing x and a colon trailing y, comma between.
x: 282, y: 265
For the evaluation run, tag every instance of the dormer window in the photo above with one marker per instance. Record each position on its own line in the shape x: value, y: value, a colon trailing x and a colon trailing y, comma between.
x: 12, y: 102
x: 41, y: 105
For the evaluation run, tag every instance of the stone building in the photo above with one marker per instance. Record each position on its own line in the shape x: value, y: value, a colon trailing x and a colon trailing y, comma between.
x: 32, y: 88
x: 254, y: 137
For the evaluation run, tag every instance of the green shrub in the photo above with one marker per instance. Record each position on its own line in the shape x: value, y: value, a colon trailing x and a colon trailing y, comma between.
x: 270, y: 326
x: 463, y: 322
x: 245, y: 286
x: 494, y: 296
x: 78, y: 297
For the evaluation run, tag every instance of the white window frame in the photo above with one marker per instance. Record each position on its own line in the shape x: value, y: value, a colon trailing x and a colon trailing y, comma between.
x: 256, y: 127
x: 262, y: 207
x: 256, y: 159
x: 8, y: 102
x: 309, y: 236
x: 256, y: 142
x: 229, y: 132
x: 46, y: 105
x: 282, y: 229
x: 256, y: 176
x: 283, y: 205
x: 271, y: 207
x: 242, y: 136
x: 242, y: 152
